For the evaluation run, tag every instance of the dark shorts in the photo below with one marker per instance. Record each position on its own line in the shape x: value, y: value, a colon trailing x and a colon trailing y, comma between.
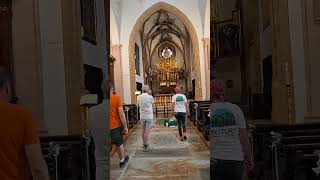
x: 116, y: 136
x: 226, y: 169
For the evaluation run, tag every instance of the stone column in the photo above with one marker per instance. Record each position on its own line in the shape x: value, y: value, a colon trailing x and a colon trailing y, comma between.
x: 74, y: 75
x: 27, y: 61
x: 116, y: 53
x: 206, y: 45
x: 282, y: 92
x: 111, y: 69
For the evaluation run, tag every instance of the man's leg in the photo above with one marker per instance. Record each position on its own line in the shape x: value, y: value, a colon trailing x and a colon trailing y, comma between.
x: 118, y: 137
x: 146, y: 136
x: 143, y: 132
x: 121, y: 152
x: 178, y: 117
x: 143, y: 124
x: 184, y: 128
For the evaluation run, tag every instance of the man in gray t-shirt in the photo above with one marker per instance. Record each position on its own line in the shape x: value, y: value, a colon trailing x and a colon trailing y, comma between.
x: 228, y: 137
x: 145, y: 102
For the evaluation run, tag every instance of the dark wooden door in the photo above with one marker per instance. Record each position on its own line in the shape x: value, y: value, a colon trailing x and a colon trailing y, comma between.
x: 5, y: 35
x: 6, y: 40
x: 267, y: 84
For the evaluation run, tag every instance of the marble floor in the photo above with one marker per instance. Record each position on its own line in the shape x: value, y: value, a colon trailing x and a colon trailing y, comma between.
x: 170, y: 158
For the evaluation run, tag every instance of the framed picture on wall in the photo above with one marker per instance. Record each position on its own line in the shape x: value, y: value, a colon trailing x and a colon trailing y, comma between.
x: 88, y: 21
x: 316, y: 6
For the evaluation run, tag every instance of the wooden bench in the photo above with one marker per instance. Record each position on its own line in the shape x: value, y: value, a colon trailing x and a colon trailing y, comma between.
x: 201, y: 119
x: 131, y: 112
x: 198, y: 113
x: 194, y: 113
x: 69, y: 157
x: 285, y: 150
x: 204, y: 123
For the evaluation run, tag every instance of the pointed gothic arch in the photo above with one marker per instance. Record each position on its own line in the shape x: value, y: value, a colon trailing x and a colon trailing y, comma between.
x: 194, y: 40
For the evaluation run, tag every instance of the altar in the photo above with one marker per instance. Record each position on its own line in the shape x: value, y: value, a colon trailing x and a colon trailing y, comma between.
x: 162, y: 103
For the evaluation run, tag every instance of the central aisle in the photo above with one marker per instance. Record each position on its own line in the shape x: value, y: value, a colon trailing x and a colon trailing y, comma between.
x: 170, y: 158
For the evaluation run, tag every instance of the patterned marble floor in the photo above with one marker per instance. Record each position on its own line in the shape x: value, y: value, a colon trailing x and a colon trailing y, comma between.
x: 169, y: 159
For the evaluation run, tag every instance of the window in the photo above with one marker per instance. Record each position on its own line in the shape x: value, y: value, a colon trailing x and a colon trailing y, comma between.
x: 137, y: 59
x: 166, y: 53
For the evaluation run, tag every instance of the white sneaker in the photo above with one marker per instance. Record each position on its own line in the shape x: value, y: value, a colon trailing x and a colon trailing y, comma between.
x: 148, y: 148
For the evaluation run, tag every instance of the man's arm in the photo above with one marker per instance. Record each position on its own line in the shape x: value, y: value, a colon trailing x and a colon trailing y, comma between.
x: 246, y: 148
x: 123, y: 119
x: 38, y: 166
x: 244, y: 139
x: 187, y: 108
x: 172, y: 107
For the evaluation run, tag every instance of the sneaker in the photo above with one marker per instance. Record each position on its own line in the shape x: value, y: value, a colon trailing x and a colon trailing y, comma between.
x: 185, y: 138
x: 145, y: 149
x: 122, y: 164
x: 142, y: 146
x: 181, y: 139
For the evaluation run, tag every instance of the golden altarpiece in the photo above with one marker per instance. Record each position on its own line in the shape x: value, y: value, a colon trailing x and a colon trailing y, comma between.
x: 167, y: 75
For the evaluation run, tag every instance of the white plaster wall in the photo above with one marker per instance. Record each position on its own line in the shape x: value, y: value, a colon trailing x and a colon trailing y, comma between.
x: 202, y: 6
x: 131, y: 10
x: 114, y: 32
x: 54, y: 93
x: 206, y: 33
x: 97, y: 55
x: 298, y: 60
x: 115, y: 7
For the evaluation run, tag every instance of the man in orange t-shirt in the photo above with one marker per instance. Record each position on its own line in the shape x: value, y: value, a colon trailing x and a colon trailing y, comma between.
x: 118, y: 125
x: 20, y: 152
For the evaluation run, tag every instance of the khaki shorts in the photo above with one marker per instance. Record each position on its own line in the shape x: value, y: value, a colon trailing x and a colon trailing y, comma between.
x: 146, y: 123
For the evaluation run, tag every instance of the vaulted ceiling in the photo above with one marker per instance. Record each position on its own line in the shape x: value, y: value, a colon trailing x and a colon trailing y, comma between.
x: 162, y: 27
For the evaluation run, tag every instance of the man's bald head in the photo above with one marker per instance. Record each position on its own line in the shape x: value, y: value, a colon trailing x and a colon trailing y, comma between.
x: 217, y: 90
x: 178, y: 90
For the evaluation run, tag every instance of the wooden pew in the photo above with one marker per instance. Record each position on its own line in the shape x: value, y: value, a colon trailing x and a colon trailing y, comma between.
x: 201, y: 112
x: 204, y: 122
x: 131, y: 112
x: 292, y: 153
x: 69, y: 157
x: 194, y: 113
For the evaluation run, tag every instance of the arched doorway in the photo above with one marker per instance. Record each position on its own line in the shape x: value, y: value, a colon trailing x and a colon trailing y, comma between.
x: 194, y: 41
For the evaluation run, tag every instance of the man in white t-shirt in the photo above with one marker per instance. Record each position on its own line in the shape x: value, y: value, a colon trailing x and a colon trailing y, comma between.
x: 181, y: 108
x: 145, y: 102
x: 228, y: 137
